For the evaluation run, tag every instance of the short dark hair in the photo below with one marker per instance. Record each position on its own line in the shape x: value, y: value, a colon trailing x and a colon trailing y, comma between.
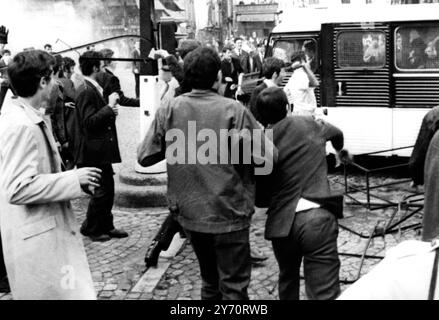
x: 201, y: 68
x: 309, y: 45
x: 107, y: 53
x: 298, y: 56
x: 88, y: 60
x: 271, y: 105
x: 47, y: 45
x: 58, y: 64
x: 6, y: 51
x: 187, y: 45
x: 68, y: 63
x: 27, y: 69
x: 272, y: 65
x: 227, y: 47
x: 236, y: 39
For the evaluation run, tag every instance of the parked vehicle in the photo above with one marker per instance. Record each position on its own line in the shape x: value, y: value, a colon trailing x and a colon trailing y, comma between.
x: 378, y: 69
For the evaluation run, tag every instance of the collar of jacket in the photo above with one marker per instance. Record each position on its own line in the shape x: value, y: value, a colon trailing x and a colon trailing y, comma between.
x: 95, y: 84
x: 199, y: 92
x: 34, y: 115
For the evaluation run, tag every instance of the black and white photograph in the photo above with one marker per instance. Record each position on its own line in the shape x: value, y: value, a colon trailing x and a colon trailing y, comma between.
x: 196, y: 151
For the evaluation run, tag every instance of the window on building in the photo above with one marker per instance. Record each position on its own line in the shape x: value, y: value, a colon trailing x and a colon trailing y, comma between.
x: 417, y: 47
x: 284, y: 49
x: 361, y: 49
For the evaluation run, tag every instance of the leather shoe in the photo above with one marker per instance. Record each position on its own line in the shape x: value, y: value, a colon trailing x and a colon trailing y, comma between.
x: 152, y: 255
x: 257, y: 256
x: 115, y: 233
x: 100, y: 238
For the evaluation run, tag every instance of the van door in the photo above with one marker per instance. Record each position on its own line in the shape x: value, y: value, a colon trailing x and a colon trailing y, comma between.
x: 358, y: 80
x: 415, y: 66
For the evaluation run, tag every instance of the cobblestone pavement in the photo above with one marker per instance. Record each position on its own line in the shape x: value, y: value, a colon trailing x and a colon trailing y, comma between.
x: 117, y: 265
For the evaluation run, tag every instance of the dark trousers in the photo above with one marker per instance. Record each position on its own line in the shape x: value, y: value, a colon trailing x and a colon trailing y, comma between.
x: 2, y: 261
x: 99, y: 218
x: 3, y: 91
x: 313, y: 237
x: 137, y: 79
x: 225, y: 265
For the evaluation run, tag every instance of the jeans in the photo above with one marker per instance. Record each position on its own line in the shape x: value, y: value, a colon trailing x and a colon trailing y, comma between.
x: 99, y: 218
x: 225, y: 265
x: 313, y: 237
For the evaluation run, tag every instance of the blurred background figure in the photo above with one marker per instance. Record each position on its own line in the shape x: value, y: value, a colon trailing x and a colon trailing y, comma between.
x: 136, y: 66
x: 111, y: 83
x: 48, y: 48
x: 5, y: 59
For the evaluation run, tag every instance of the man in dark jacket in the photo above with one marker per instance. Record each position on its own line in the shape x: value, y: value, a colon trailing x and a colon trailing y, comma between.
x: 232, y: 73
x: 302, y: 215
x: 273, y: 72
x: 110, y: 83
x: 97, y: 145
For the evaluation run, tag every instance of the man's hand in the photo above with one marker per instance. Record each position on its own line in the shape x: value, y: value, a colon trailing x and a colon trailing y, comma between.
x: 239, y: 92
x: 113, y: 100
x: 344, y: 156
x: 70, y: 105
x: 89, y: 177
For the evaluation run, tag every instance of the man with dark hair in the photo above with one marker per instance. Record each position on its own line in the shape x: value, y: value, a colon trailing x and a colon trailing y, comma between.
x: 212, y: 201
x: 232, y: 73
x: 302, y: 211
x: 273, y: 71
x: 258, y: 58
x: 43, y: 250
x: 242, y: 55
x: 300, y: 86
x: 48, y: 48
x: 55, y: 108
x: 97, y: 145
x: 110, y: 83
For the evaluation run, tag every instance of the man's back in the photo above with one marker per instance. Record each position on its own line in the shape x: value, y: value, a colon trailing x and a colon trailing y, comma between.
x: 301, y: 169
x: 218, y: 189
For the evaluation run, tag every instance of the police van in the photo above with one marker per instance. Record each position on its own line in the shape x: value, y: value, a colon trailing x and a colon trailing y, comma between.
x: 378, y: 68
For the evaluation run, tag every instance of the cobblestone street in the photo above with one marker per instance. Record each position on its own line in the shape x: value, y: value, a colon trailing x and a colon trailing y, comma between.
x: 117, y: 265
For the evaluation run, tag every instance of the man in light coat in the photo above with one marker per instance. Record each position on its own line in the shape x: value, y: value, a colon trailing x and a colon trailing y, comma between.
x: 43, y: 249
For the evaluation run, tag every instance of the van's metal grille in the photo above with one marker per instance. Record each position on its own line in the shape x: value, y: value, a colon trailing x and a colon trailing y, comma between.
x: 416, y: 92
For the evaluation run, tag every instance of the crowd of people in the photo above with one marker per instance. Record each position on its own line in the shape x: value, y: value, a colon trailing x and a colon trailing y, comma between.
x: 58, y: 141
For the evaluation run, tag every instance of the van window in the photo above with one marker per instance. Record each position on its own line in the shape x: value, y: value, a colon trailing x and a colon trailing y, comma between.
x: 417, y: 47
x: 361, y: 49
x: 284, y: 49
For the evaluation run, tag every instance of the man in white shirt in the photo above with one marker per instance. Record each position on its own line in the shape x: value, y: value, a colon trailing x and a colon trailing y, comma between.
x: 300, y: 87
